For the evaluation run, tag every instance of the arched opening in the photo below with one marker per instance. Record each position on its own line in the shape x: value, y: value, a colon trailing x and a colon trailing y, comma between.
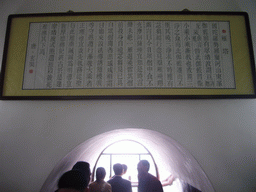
x: 170, y: 157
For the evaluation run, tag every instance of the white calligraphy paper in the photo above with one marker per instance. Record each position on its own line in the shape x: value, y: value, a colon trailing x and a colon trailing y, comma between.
x: 129, y: 54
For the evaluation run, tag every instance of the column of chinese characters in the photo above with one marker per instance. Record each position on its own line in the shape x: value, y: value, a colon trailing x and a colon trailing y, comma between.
x: 90, y: 56
x: 61, y: 55
x: 215, y: 52
x: 79, y: 67
x: 159, y: 77
x: 217, y: 62
x: 100, y: 56
x: 178, y: 55
x: 42, y: 55
x: 129, y: 56
x: 149, y: 55
x: 187, y: 54
x: 227, y: 73
x: 209, y: 82
x: 139, y: 55
x: 32, y: 58
x: 110, y: 55
x: 120, y: 54
x: 70, y: 56
x: 197, y: 46
x: 51, y: 56
x: 169, y: 55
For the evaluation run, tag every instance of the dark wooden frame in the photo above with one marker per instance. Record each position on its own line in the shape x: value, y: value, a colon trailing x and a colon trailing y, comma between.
x: 135, y: 96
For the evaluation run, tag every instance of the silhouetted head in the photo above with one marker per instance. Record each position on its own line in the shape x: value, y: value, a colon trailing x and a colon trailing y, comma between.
x: 100, y: 173
x: 84, y: 168
x: 118, y: 169
x: 124, y: 168
x: 143, y: 166
x: 72, y: 180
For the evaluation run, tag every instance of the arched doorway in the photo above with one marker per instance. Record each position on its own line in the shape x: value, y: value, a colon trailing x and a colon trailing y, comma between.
x: 170, y: 157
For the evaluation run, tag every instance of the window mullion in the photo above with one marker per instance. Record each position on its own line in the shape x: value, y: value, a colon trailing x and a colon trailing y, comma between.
x: 110, y: 165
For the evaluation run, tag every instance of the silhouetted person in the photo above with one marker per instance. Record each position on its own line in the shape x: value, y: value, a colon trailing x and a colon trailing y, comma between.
x: 100, y: 185
x: 124, y: 168
x: 84, y: 168
x: 117, y: 183
x: 73, y: 181
x: 124, y: 172
x: 147, y: 182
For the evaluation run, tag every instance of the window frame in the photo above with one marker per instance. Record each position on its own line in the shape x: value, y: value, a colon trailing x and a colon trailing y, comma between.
x: 111, y: 165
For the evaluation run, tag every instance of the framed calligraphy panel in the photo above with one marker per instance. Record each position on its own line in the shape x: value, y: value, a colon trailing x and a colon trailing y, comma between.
x: 128, y: 55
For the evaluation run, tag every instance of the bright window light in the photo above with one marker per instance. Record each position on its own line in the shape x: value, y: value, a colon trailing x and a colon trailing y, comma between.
x: 128, y: 147
x: 125, y: 152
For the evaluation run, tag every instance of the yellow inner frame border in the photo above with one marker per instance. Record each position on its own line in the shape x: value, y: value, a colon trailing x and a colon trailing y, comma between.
x: 16, y: 54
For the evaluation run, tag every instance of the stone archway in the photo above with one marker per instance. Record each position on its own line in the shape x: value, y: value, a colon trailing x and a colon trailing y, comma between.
x: 167, y: 152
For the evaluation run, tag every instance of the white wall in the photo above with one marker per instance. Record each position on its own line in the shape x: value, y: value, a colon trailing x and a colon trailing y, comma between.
x: 35, y: 135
